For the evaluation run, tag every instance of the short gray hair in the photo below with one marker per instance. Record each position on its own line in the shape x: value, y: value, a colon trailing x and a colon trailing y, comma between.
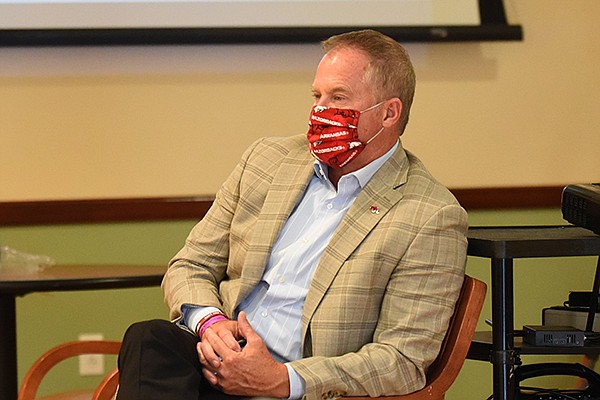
x: 390, y: 72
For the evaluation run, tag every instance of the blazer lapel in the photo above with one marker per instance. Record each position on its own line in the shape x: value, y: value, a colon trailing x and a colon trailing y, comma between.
x: 381, y: 193
x: 289, y: 184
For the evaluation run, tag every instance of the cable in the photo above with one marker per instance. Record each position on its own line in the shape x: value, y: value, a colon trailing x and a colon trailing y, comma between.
x: 564, y: 394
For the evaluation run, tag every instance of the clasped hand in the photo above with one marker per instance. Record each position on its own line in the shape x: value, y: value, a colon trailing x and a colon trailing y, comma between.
x: 247, y: 371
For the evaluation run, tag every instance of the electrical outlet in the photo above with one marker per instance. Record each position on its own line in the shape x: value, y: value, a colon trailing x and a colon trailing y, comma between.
x: 91, y: 364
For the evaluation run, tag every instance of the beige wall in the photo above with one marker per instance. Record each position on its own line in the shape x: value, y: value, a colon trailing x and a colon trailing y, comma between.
x: 173, y: 120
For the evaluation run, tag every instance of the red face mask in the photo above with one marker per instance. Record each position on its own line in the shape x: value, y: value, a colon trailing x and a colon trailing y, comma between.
x: 333, y: 134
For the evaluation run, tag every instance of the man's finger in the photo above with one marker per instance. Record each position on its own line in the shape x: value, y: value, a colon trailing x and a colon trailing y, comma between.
x: 209, y: 355
x: 219, y: 347
x: 230, y: 341
x: 210, y: 376
x: 244, y: 326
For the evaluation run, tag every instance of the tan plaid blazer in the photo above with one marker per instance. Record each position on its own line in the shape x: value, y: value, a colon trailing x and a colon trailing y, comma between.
x: 384, y: 290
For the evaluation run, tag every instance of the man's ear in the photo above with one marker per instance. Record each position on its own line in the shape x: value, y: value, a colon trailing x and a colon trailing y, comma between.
x: 393, y: 112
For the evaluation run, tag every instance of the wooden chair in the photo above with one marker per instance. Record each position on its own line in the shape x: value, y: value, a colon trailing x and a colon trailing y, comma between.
x: 107, y: 389
x: 441, y: 374
x: 445, y: 368
x: 40, y: 368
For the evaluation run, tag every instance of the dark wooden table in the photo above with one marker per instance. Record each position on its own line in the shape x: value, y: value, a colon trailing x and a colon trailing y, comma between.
x: 53, y: 279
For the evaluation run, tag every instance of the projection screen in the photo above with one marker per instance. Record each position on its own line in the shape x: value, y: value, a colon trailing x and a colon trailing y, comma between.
x: 239, y: 20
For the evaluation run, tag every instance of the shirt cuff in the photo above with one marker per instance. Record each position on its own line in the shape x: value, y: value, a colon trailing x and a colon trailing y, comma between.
x: 191, y: 315
x: 297, y: 384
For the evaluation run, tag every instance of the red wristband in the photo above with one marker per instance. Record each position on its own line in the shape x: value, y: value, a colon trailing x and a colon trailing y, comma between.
x: 205, y: 319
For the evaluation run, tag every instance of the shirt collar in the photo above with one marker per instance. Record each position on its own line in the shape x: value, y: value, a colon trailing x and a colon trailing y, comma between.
x: 364, y: 174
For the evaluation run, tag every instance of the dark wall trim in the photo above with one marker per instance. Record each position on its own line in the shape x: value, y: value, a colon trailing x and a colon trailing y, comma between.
x: 102, y: 210
x: 20, y: 213
x: 509, y: 197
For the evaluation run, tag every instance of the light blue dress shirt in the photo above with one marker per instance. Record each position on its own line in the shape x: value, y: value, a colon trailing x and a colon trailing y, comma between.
x: 274, y: 307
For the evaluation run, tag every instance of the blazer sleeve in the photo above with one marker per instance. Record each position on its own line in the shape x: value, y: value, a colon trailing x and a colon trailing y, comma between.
x: 197, y: 270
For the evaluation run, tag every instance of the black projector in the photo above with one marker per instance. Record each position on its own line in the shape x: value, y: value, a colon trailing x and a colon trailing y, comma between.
x: 581, y: 205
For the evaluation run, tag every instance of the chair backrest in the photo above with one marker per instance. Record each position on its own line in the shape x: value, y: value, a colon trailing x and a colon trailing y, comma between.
x: 444, y: 370
x: 40, y: 368
x: 107, y: 389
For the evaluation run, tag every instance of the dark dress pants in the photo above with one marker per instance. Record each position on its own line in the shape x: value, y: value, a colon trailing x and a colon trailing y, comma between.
x: 159, y: 361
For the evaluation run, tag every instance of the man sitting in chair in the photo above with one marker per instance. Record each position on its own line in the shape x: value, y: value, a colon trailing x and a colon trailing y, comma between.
x: 329, y: 264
